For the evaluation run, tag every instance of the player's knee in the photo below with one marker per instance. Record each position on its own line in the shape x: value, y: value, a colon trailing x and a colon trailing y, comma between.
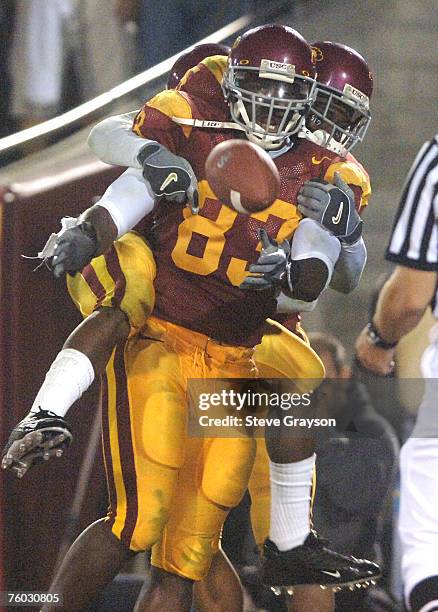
x: 168, y: 588
x: 114, y: 323
x: 147, y: 533
x: 189, y: 556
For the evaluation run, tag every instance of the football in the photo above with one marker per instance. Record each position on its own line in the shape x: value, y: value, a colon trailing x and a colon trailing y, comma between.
x: 242, y: 175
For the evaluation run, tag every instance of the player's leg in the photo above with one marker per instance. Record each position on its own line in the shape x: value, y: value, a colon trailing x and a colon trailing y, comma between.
x: 292, y: 457
x: 294, y: 554
x: 212, y: 480
x: 165, y: 592
x: 418, y: 522
x: 221, y: 590
x: 141, y: 464
x: 214, y: 476
x: 94, y: 559
x: 115, y: 293
x: 306, y: 597
x: 309, y: 597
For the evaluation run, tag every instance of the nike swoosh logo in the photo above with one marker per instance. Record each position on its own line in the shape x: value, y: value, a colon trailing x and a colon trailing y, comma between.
x: 319, y: 161
x: 337, y: 218
x: 336, y: 574
x: 171, y: 178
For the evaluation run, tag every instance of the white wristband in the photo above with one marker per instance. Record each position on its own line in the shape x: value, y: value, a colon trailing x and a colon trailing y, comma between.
x: 68, y: 377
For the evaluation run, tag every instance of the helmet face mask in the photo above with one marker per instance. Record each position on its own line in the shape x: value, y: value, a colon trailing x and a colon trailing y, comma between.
x: 269, y: 84
x: 270, y: 110
x: 344, y: 119
x: 340, y: 112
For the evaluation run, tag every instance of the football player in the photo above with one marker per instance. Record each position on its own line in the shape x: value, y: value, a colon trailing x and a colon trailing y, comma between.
x: 356, y: 176
x: 340, y: 113
x: 338, y: 120
x: 270, y: 135
x: 340, y: 71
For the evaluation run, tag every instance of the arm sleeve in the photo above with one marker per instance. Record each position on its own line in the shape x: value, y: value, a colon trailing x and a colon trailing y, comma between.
x: 311, y: 240
x: 113, y: 141
x: 288, y: 305
x: 414, y: 238
x: 349, y: 267
x: 118, y: 140
x: 128, y: 199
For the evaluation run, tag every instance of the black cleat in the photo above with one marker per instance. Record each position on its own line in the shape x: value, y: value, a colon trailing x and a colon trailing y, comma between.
x: 314, y: 563
x: 38, y: 437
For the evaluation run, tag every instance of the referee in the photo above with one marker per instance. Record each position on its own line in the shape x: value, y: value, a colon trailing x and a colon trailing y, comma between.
x: 411, y: 288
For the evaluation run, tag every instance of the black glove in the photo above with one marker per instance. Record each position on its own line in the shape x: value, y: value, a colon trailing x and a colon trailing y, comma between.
x: 74, y: 249
x: 169, y: 175
x: 271, y: 269
x: 38, y: 437
x: 332, y: 206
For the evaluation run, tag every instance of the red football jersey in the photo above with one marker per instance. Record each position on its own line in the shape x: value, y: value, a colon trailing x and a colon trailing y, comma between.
x: 202, y: 259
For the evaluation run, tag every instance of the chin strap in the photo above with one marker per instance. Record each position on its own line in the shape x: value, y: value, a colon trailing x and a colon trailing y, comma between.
x: 208, y: 124
x: 319, y: 137
x: 324, y: 140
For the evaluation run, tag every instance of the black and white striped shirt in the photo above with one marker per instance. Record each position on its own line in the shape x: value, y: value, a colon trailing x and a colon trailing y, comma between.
x: 414, y: 239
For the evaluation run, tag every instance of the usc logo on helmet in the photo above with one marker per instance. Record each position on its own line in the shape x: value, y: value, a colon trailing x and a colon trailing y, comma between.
x: 317, y: 54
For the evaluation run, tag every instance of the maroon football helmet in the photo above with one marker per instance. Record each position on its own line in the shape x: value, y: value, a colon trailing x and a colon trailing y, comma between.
x: 341, y: 108
x: 269, y: 83
x: 191, y: 58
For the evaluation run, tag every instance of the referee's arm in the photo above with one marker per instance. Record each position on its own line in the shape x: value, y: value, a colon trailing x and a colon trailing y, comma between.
x: 414, y: 247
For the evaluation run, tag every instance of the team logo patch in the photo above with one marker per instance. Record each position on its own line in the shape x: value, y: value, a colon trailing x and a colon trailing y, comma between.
x: 337, y: 218
x: 277, y: 70
x: 319, y: 161
x: 355, y: 94
x: 317, y: 54
x: 170, y: 178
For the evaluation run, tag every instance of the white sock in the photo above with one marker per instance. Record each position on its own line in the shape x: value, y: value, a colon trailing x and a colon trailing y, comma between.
x: 290, y: 502
x: 69, y: 376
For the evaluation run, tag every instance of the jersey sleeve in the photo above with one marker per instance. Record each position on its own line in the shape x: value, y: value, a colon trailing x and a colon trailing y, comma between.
x: 355, y: 175
x: 154, y: 120
x: 414, y: 237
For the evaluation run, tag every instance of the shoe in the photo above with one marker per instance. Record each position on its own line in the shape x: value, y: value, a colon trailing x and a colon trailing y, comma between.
x: 39, y: 436
x: 314, y: 563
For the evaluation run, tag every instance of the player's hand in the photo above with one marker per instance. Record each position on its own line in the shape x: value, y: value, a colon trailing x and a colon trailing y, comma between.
x: 74, y: 249
x: 38, y: 437
x: 169, y: 175
x: 271, y: 268
x: 71, y: 249
x: 373, y: 358
x: 333, y: 206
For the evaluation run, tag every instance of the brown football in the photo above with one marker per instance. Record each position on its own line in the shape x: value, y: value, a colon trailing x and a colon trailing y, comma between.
x: 242, y: 175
